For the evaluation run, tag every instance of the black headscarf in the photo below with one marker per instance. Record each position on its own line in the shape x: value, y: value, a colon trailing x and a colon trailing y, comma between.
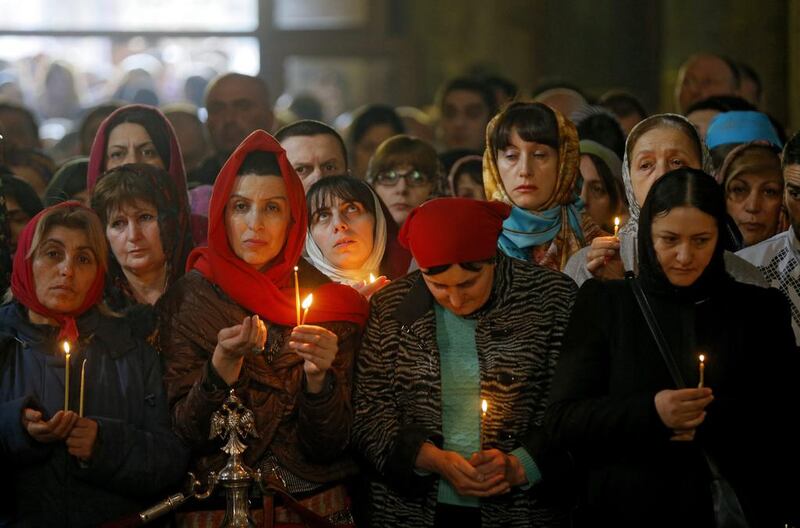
x: 692, y: 188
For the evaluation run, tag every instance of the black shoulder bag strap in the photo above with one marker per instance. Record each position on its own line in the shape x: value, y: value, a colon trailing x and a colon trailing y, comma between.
x: 727, y: 508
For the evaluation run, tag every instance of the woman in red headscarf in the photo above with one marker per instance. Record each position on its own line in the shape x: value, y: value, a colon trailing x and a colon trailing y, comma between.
x: 142, y: 134
x: 231, y: 323
x: 92, y: 453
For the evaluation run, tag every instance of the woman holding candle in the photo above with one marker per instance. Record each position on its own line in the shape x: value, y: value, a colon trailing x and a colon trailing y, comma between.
x: 531, y: 163
x: 64, y: 469
x: 440, y: 340
x: 656, y: 146
x: 638, y: 436
x: 352, y: 235
x: 230, y: 323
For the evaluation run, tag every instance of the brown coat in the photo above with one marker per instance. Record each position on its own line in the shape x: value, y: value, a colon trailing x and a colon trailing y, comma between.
x: 307, y: 433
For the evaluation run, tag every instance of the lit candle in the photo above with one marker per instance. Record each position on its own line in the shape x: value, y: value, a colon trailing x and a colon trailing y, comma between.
x: 297, y: 295
x: 702, y: 359
x: 616, y: 225
x: 83, y: 387
x: 372, y: 278
x: 66, y: 347
x: 306, y: 306
x: 484, y: 410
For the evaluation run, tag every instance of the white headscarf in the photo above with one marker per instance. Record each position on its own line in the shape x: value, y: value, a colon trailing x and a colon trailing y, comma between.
x: 371, y: 265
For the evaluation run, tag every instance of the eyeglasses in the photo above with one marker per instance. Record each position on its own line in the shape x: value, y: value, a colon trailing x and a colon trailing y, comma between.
x: 413, y: 178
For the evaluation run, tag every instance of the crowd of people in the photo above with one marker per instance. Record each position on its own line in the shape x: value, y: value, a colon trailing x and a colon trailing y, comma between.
x: 533, y: 311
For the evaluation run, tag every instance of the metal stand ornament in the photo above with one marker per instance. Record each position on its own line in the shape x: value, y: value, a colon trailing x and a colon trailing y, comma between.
x: 233, y: 422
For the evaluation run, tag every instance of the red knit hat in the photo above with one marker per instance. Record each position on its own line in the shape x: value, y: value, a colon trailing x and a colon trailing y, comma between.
x: 453, y: 230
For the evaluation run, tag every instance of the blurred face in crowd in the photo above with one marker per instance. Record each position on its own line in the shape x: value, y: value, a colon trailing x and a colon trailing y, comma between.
x: 344, y: 231
x: 236, y: 105
x: 701, y: 119
x: 130, y: 143
x: 402, y: 188
x: 463, y: 121
x: 135, y: 238
x: 315, y: 157
x: 460, y: 290
x: 684, y: 240
x: 466, y: 187
x: 657, y: 152
x: 367, y: 146
x: 257, y: 218
x: 528, y: 170
x: 791, y: 195
x: 595, y: 194
x: 17, y: 220
x: 703, y: 76
x: 754, y: 202
x: 191, y: 137
x: 33, y: 177
x: 18, y: 130
x: 64, y: 267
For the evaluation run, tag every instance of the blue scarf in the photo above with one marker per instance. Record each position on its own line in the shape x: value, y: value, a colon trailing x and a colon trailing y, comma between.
x: 523, y: 229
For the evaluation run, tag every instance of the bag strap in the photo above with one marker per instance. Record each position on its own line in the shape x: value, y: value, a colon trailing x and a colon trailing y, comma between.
x: 655, y: 330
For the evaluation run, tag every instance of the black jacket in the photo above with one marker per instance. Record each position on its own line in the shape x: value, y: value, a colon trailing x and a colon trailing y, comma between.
x: 602, y: 404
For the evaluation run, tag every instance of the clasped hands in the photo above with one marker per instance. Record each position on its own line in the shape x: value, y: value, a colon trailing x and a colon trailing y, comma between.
x: 80, y: 434
x: 317, y: 346
x: 683, y: 410
x: 488, y: 472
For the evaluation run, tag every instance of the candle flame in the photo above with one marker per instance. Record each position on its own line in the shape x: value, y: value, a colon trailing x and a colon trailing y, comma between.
x: 372, y: 278
x: 616, y: 221
x: 484, y: 406
x: 307, y: 301
x: 296, y: 268
x: 66, y: 347
x: 702, y: 358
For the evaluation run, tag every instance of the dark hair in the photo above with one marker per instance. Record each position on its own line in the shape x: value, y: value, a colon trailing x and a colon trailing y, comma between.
x: 664, y: 121
x: 473, y: 169
x: 27, y: 114
x: 507, y: 86
x: 306, y: 106
x: 150, y: 119
x: 369, y: 116
x: 21, y: 191
x: 260, y: 163
x: 614, y: 187
x: 68, y: 181
x: 469, y: 266
x: 346, y: 188
x: 719, y: 153
x: 309, y: 127
x: 721, y: 103
x: 403, y: 149
x: 448, y: 158
x: 791, y: 151
x: 622, y: 103
x: 748, y: 72
x: 35, y: 159
x: 469, y: 84
x: 93, y: 118
x: 603, y: 129
x: 532, y: 121
x: 680, y: 188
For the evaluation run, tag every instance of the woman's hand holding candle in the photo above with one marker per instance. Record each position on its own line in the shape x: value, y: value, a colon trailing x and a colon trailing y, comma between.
x: 603, y: 260
x: 369, y: 288
x: 683, y: 410
x: 491, y: 462
x: 454, y: 468
x: 53, y: 430
x: 318, y: 346
x: 82, y: 439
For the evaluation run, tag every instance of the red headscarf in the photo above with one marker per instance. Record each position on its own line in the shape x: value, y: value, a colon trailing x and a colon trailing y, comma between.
x: 176, y: 169
x: 269, y: 293
x: 453, y: 230
x: 23, y: 285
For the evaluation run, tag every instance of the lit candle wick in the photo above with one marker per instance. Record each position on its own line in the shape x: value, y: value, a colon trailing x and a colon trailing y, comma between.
x: 616, y: 225
x: 306, y: 307
x: 702, y: 359
x: 66, y: 348
x: 484, y: 410
x: 372, y: 278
